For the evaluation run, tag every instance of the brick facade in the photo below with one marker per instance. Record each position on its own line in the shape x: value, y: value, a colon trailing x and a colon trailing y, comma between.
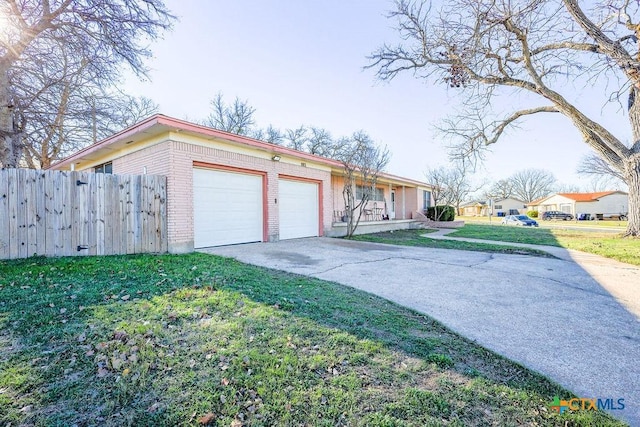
x: 175, y: 159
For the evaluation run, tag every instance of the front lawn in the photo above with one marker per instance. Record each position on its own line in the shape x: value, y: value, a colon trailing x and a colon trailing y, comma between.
x: 605, y: 244
x: 202, y: 340
x: 416, y: 238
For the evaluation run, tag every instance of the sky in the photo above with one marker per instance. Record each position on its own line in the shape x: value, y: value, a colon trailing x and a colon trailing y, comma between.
x: 302, y: 62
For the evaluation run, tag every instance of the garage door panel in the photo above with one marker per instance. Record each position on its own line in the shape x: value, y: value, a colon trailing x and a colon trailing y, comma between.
x: 228, y: 208
x: 299, y: 209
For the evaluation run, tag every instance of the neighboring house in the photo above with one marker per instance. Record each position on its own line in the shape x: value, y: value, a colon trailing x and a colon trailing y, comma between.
x: 474, y: 208
x: 509, y: 206
x: 503, y: 206
x: 224, y: 188
x: 600, y: 203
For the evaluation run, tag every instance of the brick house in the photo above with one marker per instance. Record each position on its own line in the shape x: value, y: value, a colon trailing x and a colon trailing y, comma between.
x: 224, y: 188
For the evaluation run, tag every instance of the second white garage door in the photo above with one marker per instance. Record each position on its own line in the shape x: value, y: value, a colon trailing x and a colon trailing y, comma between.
x: 227, y: 208
x: 298, y: 209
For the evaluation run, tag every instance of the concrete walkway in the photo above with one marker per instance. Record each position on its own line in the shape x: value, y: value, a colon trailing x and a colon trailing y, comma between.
x: 552, y: 315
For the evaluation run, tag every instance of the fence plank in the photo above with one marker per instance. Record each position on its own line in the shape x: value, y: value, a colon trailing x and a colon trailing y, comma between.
x: 136, y: 211
x: 161, y: 213
x: 50, y: 214
x: 113, y: 199
x: 131, y: 223
x: 61, y: 204
x: 123, y: 185
x: 22, y: 212
x: 81, y: 215
x: 144, y: 213
x: 12, y: 194
x: 69, y: 240
x: 31, y: 218
x: 41, y: 214
x: 4, y: 214
x: 73, y: 216
x: 91, y: 214
x: 98, y: 194
x: 112, y: 214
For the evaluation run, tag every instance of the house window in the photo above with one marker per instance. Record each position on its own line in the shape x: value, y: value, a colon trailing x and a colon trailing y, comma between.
x: 104, y: 168
x: 426, y: 199
x: 498, y: 207
x: 374, y: 196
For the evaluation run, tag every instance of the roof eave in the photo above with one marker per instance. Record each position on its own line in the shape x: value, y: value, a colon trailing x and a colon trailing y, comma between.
x: 184, y: 126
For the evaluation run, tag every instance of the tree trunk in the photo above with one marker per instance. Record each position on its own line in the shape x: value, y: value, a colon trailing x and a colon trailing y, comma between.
x: 10, y: 147
x: 631, y: 169
x: 632, y: 178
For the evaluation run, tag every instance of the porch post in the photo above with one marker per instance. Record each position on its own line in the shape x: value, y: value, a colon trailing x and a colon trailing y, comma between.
x: 404, y: 203
x: 388, y: 206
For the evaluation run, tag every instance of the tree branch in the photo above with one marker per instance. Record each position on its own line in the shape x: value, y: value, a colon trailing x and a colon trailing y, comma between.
x: 515, y: 116
x: 614, y: 50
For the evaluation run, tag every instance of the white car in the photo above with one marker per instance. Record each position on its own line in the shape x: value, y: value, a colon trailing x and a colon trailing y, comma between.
x: 521, y: 220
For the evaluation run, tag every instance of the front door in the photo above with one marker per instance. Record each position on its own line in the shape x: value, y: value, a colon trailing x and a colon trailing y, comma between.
x: 392, y: 213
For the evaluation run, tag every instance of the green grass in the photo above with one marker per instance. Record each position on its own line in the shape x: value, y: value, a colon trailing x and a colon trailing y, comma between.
x: 530, y: 235
x: 614, y: 224
x: 416, y: 238
x: 198, y: 339
x: 605, y: 244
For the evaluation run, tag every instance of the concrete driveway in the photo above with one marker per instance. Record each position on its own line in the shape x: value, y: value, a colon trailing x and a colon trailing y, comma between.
x: 551, y: 315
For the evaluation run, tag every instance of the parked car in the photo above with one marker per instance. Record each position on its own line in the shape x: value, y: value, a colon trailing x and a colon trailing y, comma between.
x: 546, y: 216
x: 521, y: 220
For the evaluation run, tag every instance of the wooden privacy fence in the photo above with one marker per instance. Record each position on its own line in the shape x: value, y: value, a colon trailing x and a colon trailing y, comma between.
x: 58, y: 213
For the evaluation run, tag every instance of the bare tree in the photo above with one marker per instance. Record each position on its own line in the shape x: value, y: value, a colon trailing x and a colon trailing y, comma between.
x: 596, y: 166
x: 65, y: 107
x: 440, y: 191
x: 133, y: 110
x: 362, y: 163
x: 532, y: 184
x: 296, y: 138
x: 500, y: 190
x: 236, y: 117
x: 100, y: 35
x: 486, y: 48
x: 567, y: 188
x: 321, y: 143
x: 73, y: 121
x: 273, y: 135
x: 452, y: 185
x: 269, y: 134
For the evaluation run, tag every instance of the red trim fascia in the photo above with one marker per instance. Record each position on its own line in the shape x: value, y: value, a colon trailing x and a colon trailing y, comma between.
x: 265, y: 200
x: 320, y: 197
x: 192, y: 127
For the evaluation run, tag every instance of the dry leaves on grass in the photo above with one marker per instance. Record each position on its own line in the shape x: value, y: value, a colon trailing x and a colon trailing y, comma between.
x: 207, y: 419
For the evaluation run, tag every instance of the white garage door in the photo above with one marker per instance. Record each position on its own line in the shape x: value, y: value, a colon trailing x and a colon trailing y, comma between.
x: 298, y: 209
x: 227, y: 208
